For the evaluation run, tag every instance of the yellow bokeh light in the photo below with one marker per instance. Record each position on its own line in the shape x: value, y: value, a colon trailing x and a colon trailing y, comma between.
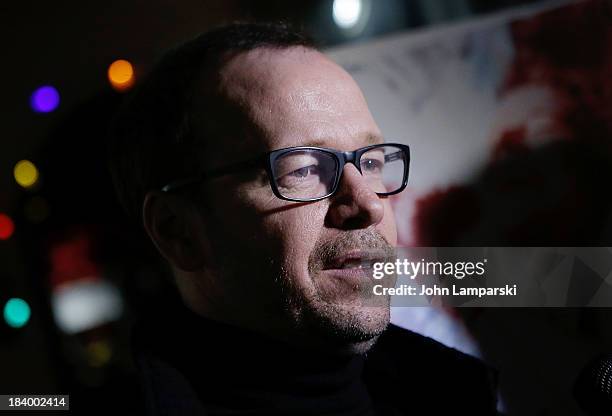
x: 121, y: 74
x: 25, y: 173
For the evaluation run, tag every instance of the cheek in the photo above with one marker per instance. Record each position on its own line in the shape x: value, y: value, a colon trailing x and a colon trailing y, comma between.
x: 297, y: 230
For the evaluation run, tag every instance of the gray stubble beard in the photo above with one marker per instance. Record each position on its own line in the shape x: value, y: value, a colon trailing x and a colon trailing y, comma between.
x: 348, y: 326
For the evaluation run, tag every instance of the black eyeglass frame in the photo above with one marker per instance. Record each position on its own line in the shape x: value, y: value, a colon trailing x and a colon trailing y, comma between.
x: 268, y: 160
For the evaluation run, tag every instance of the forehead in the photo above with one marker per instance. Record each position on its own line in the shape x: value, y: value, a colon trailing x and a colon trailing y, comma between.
x: 294, y: 97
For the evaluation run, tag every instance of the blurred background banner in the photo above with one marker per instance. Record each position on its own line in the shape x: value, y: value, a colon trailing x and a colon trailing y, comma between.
x: 506, y: 104
x: 468, y: 97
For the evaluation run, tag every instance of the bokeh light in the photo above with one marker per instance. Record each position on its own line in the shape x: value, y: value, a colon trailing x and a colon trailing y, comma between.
x: 346, y: 13
x: 121, y: 75
x: 45, y: 99
x: 25, y: 173
x: 16, y: 312
x: 6, y: 227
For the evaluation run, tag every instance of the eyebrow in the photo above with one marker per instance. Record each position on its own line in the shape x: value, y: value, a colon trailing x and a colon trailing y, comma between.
x: 370, y: 139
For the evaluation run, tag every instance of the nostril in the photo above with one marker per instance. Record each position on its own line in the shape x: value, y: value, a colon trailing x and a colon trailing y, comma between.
x: 363, y: 216
x: 355, y: 223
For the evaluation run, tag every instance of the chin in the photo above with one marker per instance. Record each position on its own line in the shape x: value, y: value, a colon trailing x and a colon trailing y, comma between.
x: 347, y: 328
x: 337, y: 313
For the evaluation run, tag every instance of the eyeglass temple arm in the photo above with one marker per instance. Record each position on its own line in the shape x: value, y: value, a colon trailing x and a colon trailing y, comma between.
x: 215, y: 173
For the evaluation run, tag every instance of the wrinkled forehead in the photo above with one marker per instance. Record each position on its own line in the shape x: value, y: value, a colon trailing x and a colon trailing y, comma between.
x: 276, y: 98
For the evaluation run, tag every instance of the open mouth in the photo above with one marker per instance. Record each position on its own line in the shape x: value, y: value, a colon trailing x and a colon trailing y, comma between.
x: 357, y: 259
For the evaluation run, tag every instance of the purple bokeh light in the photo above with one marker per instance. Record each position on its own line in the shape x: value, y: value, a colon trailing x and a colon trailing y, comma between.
x: 44, y: 99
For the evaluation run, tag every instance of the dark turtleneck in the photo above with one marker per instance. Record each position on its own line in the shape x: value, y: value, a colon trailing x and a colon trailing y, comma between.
x: 236, y: 371
x: 191, y: 365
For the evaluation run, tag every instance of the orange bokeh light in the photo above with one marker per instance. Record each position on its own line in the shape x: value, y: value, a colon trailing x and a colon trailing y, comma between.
x: 121, y: 75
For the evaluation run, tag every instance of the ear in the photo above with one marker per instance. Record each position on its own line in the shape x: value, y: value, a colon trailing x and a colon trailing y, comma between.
x: 176, y: 228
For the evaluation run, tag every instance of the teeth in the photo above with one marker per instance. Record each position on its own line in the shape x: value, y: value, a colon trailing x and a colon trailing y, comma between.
x: 357, y: 264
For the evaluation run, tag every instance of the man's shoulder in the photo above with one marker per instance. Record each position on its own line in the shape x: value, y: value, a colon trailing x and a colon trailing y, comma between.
x: 404, y: 364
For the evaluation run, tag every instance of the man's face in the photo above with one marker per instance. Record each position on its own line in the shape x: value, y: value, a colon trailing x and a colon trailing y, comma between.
x: 287, y: 266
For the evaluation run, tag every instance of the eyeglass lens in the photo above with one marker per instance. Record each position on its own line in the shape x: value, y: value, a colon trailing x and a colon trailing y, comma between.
x: 311, y: 173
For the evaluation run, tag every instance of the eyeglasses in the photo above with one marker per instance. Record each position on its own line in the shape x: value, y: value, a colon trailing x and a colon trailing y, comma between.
x: 307, y: 174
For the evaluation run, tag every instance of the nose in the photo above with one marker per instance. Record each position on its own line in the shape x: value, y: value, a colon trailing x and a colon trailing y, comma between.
x: 355, y: 205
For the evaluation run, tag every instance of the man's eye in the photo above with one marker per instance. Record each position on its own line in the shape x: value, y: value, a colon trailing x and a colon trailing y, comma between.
x: 306, y: 176
x: 305, y: 171
x: 372, y: 166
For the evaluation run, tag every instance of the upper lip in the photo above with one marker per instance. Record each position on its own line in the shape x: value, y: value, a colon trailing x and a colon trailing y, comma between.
x: 353, y: 258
